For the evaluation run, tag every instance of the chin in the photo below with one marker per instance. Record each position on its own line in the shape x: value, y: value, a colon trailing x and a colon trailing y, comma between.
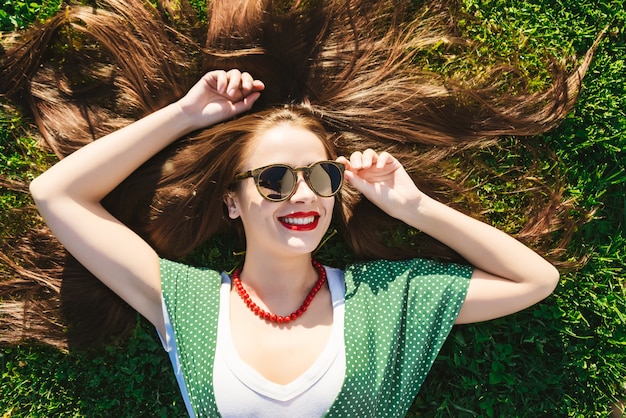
x: 302, y: 249
x: 303, y: 246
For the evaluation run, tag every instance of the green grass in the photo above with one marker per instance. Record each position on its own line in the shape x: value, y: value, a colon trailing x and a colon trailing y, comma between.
x: 19, y: 14
x: 131, y: 380
x: 565, y: 357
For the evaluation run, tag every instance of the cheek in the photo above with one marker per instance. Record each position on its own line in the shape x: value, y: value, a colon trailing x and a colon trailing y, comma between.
x: 330, y: 206
x: 251, y: 206
x: 251, y: 199
x: 246, y: 193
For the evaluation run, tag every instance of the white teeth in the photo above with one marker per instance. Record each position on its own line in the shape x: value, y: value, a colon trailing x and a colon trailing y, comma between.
x: 299, y: 221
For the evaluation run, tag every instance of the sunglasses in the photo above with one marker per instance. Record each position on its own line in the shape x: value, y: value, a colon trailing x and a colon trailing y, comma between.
x: 278, y: 182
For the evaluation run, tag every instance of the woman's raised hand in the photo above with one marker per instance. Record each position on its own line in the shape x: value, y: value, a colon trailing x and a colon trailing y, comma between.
x: 507, y: 276
x: 383, y: 180
x: 69, y: 194
x: 220, y: 95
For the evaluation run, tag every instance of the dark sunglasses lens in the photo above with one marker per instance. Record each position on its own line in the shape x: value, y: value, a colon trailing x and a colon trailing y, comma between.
x: 325, y: 179
x: 276, y: 182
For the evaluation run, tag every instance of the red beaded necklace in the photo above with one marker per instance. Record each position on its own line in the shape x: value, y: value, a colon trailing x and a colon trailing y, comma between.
x: 277, y: 318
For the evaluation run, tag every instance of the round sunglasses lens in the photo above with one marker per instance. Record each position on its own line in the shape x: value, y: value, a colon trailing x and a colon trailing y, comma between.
x: 276, y: 183
x: 325, y: 179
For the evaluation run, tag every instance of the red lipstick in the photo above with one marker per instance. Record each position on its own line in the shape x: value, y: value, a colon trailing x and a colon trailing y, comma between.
x: 300, y: 221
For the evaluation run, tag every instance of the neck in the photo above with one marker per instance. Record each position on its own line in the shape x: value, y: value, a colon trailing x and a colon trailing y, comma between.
x: 271, y: 277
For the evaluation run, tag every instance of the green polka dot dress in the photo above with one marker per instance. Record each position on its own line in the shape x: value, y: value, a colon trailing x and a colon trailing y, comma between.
x: 397, y: 316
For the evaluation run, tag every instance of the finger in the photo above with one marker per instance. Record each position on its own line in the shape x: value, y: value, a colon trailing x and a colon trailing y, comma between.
x: 343, y: 160
x: 356, y: 160
x: 246, y: 103
x: 353, y: 178
x: 384, y: 158
x: 249, y: 84
x: 220, y: 80
x: 234, y: 83
x: 246, y: 82
x: 212, y: 78
x: 258, y: 85
x: 369, y: 156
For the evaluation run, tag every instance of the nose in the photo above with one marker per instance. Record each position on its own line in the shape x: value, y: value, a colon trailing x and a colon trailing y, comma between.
x: 303, y: 192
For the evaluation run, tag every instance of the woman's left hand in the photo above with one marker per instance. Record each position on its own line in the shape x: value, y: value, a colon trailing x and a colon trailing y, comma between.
x: 383, y: 180
x: 507, y: 277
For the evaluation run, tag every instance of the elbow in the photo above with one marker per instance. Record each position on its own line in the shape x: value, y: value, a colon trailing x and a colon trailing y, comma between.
x: 44, y: 191
x: 38, y: 190
x: 550, y: 280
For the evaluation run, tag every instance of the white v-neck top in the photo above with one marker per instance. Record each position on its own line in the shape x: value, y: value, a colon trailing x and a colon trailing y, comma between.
x: 397, y: 316
x: 241, y: 391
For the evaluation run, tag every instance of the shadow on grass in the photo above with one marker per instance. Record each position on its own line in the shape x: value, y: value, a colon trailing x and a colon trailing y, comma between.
x: 129, y: 380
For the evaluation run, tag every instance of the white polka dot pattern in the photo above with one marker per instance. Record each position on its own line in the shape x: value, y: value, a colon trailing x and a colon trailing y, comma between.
x: 192, y: 299
x: 397, y: 316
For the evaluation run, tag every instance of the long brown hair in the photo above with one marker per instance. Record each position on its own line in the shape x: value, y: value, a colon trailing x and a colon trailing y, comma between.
x: 342, y: 68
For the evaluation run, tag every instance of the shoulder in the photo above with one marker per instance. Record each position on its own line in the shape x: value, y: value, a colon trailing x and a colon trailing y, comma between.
x: 410, y: 268
x: 189, y: 293
x: 174, y: 274
x: 173, y: 267
x: 417, y: 277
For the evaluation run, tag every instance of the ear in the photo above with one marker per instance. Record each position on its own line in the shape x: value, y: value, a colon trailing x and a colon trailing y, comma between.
x: 231, y: 205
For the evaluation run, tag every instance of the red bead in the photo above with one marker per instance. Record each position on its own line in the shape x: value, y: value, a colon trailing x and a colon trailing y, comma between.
x: 273, y: 317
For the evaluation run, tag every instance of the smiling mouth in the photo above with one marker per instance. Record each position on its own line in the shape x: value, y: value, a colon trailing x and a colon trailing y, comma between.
x: 300, y: 222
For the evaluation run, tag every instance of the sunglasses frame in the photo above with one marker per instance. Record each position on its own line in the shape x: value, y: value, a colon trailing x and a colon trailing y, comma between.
x: 306, y: 170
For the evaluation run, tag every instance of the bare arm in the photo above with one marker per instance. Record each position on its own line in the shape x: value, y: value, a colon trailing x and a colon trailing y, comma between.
x: 508, y: 276
x: 68, y: 195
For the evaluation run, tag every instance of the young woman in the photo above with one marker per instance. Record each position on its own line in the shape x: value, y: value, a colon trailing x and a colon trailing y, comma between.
x: 283, y: 188
x: 266, y: 157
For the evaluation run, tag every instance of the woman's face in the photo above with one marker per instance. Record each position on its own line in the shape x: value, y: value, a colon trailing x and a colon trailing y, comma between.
x: 292, y: 226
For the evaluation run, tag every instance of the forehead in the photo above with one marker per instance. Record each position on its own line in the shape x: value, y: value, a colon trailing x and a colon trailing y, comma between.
x: 286, y: 144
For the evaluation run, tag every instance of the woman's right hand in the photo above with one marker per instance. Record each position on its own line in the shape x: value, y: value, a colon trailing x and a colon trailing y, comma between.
x: 219, y: 95
x: 69, y: 194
